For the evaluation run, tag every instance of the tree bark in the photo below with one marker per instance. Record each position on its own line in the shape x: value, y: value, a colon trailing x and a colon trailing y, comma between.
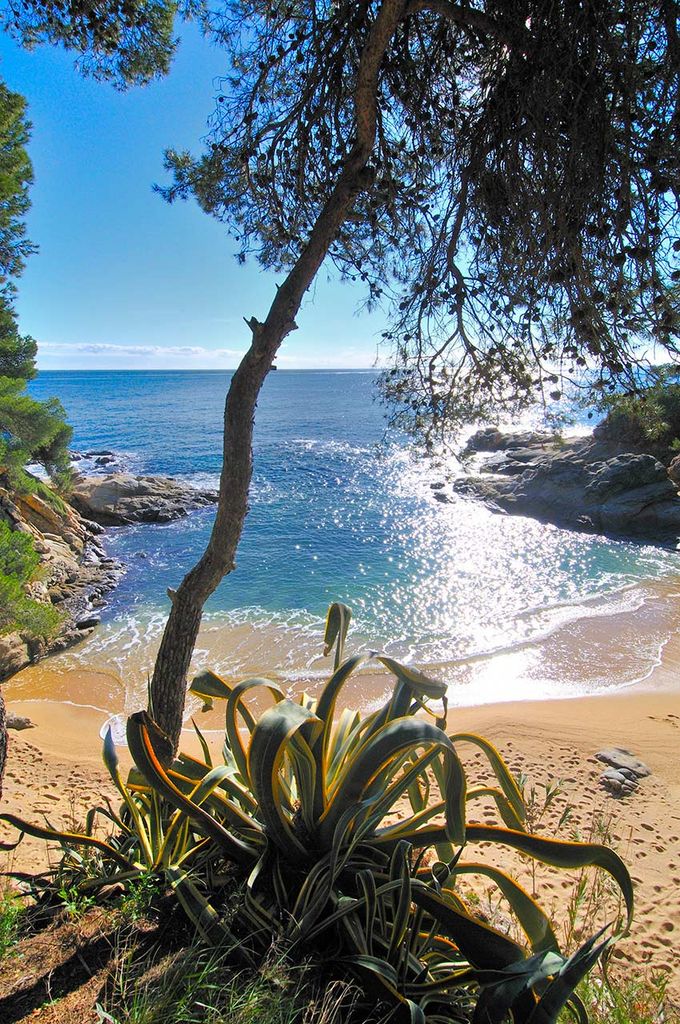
x: 167, y: 689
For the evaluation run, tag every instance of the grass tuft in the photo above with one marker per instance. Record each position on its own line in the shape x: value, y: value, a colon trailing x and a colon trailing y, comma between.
x: 11, y: 909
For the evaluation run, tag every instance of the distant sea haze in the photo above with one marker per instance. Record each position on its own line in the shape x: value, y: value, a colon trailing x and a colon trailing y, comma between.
x: 502, y: 607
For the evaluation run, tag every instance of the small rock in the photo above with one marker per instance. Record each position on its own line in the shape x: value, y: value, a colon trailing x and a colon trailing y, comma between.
x: 674, y: 470
x: 620, y: 758
x: 88, y: 623
x: 19, y: 722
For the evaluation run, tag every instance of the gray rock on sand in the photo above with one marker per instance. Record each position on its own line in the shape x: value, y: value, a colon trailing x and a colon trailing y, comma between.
x: 622, y: 760
x: 120, y: 498
x: 19, y: 722
x: 625, y: 770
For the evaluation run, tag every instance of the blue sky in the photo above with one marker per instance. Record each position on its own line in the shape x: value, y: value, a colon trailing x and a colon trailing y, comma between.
x: 122, y: 279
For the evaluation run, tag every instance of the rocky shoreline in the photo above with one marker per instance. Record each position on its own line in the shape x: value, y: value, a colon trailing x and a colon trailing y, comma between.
x: 581, y: 483
x: 76, y: 573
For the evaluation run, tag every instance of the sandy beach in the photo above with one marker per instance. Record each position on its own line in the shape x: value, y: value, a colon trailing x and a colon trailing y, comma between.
x: 55, y: 771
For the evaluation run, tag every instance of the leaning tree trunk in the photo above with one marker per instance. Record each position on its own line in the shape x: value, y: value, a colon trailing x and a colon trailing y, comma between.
x: 168, y: 685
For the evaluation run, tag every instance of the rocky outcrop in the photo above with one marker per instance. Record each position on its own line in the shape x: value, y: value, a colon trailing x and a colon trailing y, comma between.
x: 579, y: 483
x: 13, y: 654
x: 75, y: 573
x: 120, y: 498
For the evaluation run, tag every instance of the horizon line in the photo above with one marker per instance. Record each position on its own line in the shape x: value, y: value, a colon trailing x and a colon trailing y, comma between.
x: 204, y: 369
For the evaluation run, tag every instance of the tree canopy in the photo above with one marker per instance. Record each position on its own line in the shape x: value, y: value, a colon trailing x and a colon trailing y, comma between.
x: 29, y: 430
x: 127, y: 42
x: 520, y: 212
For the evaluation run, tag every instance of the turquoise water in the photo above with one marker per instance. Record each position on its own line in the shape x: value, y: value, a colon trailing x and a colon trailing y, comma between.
x: 340, y: 512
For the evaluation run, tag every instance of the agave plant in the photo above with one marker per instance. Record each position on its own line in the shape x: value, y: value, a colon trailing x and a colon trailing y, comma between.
x: 304, y: 802
x: 348, y: 833
x: 147, y: 836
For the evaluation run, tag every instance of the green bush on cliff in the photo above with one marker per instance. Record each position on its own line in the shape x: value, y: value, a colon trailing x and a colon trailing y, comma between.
x: 18, y: 564
x: 648, y: 420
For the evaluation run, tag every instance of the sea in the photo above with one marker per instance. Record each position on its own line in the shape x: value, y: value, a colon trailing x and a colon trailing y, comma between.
x: 342, y: 509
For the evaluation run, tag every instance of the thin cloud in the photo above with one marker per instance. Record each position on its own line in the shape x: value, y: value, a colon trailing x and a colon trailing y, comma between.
x: 102, y: 348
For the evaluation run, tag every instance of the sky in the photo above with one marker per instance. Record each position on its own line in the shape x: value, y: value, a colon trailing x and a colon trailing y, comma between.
x: 122, y: 280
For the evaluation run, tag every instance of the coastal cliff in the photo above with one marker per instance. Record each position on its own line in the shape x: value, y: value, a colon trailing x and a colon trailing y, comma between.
x: 73, y: 575
x: 581, y: 483
x: 74, y: 572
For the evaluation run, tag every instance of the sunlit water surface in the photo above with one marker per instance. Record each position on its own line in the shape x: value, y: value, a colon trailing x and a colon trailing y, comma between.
x: 502, y: 607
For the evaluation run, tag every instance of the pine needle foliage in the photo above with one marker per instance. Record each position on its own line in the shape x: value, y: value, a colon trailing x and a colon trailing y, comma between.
x: 519, y: 213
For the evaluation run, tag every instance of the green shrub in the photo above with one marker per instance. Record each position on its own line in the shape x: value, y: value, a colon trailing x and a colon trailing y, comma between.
x: 348, y: 836
x: 18, y: 563
x: 18, y: 556
x: 23, y: 614
x: 648, y: 421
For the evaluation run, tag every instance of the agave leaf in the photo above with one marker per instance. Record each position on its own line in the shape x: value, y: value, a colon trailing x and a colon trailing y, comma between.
x: 366, y: 880
x: 534, y: 921
x: 558, y: 853
x: 187, y: 770
x: 481, y: 945
x: 110, y: 758
x: 561, y: 988
x: 324, y: 711
x: 505, y: 777
x: 505, y: 808
x: 508, y: 992
x: 345, y: 736
x: 139, y: 728
x: 204, y: 746
x: 407, y: 827
x: 304, y: 768
x: 403, y: 783
x: 378, y: 752
x: 401, y: 900
x: 382, y: 979
x: 68, y: 839
x: 268, y: 746
x: 209, y: 685
x: 345, y: 905
x: 337, y: 624
x: 417, y: 682
x: 577, y: 1009
x: 199, y: 910
x: 562, y: 854
x: 236, y: 707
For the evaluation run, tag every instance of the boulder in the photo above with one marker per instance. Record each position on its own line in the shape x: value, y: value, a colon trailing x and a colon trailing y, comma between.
x: 674, y: 470
x: 491, y: 439
x: 75, y: 572
x: 120, y: 498
x: 626, y: 473
x: 14, y: 654
x: 623, y: 762
x: 577, y: 483
x: 19, y: 722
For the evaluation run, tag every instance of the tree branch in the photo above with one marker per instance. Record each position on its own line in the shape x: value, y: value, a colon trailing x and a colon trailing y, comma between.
x: 468, y: 17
